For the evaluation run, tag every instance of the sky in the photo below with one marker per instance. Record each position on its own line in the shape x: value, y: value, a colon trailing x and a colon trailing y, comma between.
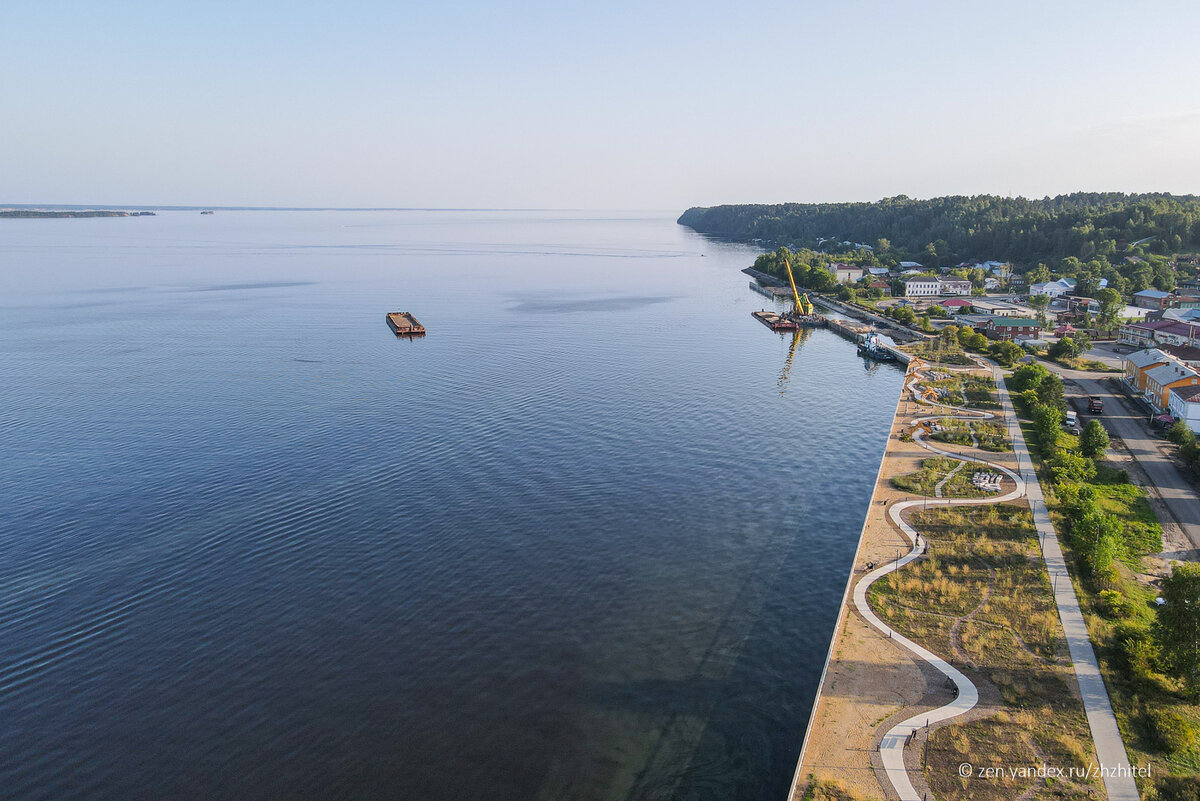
x: 632, y: 105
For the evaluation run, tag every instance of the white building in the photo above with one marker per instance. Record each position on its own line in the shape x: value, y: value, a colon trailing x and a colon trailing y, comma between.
x: 955, y: 286
x: 846, y: 274
x: 925, y: 286
x: 1184, y: 404
x: 1053, y: 288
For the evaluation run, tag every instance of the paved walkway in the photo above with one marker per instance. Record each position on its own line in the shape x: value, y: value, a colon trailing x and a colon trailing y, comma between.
x: 891, y: 748
x: 1110, y: 750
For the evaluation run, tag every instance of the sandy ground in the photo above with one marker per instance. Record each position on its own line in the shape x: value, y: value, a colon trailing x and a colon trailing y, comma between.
x: 869, y: 678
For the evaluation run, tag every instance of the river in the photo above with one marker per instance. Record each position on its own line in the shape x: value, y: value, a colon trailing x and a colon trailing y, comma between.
x: 585, y: 540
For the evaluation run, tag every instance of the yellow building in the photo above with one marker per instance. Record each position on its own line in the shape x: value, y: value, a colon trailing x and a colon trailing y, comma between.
x: 1162, y: 379
x: 1136, y: 365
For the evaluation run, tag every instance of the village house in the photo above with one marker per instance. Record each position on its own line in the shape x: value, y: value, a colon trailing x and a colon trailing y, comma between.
x: 1011, y: 328
x: 1053, y: 289
x: 1152, y: 299
x: 1160, y: 332
x: 846, y: 274
x: 1165, y: 377
x: 1184, y: 404
x: 955, y: 305
x: 1137, y: 363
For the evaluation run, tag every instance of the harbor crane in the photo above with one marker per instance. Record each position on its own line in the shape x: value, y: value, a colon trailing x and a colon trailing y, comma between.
x: 803, y: 304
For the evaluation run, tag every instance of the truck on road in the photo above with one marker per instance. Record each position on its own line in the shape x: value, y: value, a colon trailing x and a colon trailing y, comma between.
x: 1095, y: 405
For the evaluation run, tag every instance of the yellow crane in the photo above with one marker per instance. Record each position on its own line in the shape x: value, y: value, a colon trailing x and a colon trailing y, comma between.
x: 803, y: 304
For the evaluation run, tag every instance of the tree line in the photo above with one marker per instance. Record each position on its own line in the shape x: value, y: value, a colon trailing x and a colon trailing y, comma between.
x: 1091, y: 228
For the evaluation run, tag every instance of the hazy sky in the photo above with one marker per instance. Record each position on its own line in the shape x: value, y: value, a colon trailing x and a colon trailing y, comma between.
x: 599, y: 105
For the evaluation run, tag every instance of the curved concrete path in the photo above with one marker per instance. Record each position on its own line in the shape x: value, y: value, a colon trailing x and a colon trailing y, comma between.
x: 1110, y: 749
x: 891, y: 748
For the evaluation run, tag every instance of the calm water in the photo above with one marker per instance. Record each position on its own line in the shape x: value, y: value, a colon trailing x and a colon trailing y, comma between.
x: 586, y: 540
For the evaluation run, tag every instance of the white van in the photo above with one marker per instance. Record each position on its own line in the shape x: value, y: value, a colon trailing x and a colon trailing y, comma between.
x: 1072, y: 419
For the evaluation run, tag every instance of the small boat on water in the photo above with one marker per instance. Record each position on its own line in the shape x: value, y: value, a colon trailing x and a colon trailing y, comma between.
x: 404, y: 324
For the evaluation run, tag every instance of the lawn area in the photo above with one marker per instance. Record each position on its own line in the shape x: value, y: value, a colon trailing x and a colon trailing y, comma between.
x: 937, y: 351
x: 1120, y: 614
x: 989, y: 436
x: 982, y: 600
x: 933, y: 470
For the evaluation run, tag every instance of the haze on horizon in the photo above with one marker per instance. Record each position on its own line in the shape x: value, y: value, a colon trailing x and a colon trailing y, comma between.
x: 615, y: 105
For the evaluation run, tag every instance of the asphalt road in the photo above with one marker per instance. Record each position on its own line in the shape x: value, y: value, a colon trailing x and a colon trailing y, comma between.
x: 1120, y: 417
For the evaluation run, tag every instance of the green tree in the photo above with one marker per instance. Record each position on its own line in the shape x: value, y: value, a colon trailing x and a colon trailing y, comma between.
x: 1027, y: 376
x: 1039, y: 302
x: 1038, y: 275
x: 1178, y: 625
x: 1064, y: 348
x: 1110, y: 307
x: 1006, y: 352
x: 1093, y: 440
x: 1050, y: 392
x: 1046, y: 422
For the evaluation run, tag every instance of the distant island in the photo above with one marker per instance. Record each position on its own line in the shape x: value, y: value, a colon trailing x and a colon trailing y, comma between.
x: 950, y: 230
x: 89, y: 213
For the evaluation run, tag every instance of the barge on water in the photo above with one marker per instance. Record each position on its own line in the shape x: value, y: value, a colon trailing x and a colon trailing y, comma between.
x: 404, y: 324
x: 788, y: 321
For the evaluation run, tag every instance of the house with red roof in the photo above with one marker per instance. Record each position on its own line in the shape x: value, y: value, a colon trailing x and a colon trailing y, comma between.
x: 955, y: 305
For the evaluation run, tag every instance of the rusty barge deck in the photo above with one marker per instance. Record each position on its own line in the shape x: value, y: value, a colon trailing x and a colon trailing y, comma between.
x: 404, y: 324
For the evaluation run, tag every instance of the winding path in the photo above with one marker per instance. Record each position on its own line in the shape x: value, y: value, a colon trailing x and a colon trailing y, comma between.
x: 1110, y: 750
x: 891, y: 748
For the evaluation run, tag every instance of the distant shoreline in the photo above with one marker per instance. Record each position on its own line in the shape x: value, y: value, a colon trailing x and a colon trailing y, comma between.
x: 38, y: 214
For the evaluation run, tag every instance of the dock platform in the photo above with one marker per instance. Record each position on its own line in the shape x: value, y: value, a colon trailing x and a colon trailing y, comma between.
x: 404, y: 324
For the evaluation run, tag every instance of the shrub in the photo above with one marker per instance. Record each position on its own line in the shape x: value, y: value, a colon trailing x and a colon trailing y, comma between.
x: 1179, y: 788
x: 1067, y: 466
x: 1171, y: 730
x: 1138, y: 650
x: 1179, y: 433
x: 1113, y: 605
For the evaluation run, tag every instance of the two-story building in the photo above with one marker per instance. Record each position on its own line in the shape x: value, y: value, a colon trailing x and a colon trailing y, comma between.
x: 1160, y: 332
x: 846, y: 273
x: 1011, y: 328
x: 1162, y: 379
x: 1137, y: 363
x: 956, y: 286
x: 922, y: 286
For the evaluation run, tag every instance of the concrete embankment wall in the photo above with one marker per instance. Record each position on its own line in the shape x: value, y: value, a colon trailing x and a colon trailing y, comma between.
x: 799, y: 777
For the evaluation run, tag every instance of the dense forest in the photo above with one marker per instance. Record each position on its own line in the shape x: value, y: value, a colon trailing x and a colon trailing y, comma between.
x: 949, y: 230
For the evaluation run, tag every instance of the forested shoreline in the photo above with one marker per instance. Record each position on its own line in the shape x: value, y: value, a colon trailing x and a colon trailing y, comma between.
x: 949, y: 230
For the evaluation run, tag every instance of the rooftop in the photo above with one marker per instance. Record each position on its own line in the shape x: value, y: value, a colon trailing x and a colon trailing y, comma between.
x: 1157, y: 294
x: 1015, y: 322
x: 1188, y: 394
x: 1171, y: 371
x: 1145, y: 358
x: 1184, y: 353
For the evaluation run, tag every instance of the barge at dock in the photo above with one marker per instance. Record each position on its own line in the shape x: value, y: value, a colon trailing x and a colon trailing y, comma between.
x: 404, y: 324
